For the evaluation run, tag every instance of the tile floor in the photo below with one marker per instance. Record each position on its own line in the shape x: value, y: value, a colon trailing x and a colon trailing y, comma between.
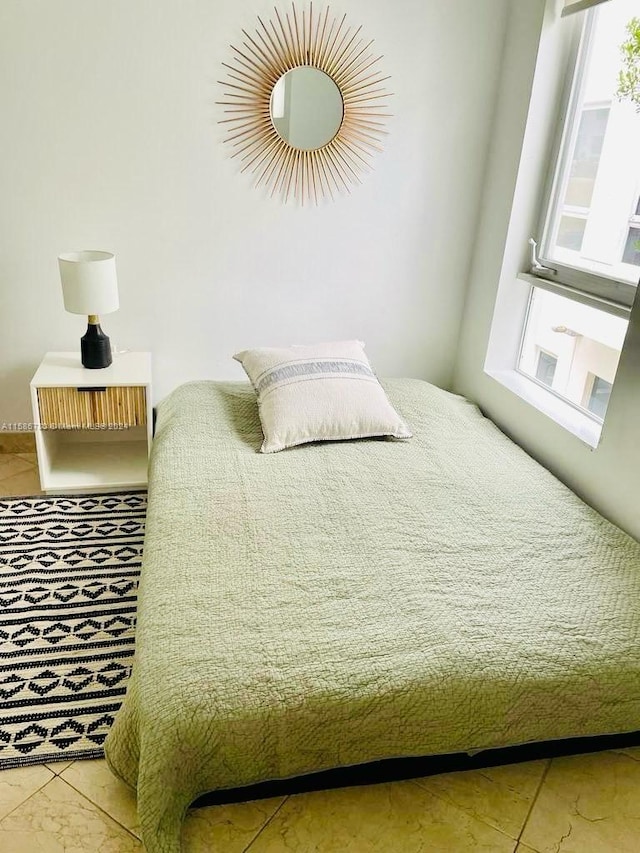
x: 581, y: 804
x: 19, y: 474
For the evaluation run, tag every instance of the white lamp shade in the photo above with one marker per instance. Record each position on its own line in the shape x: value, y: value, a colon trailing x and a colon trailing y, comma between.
x: 89, y: 282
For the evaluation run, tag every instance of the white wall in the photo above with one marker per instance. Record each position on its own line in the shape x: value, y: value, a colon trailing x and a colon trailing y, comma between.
x: 609, y: 477
x: 109, y: 140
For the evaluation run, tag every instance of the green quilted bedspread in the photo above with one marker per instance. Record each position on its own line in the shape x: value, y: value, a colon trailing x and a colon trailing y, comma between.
x: 339, y: 603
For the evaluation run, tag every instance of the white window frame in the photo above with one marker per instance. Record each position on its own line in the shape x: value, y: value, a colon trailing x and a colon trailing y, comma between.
x: 580, y: 409
x: 551, y: 90
x: 603, y: 291
x: 559, y: 399
x: 598, y: 290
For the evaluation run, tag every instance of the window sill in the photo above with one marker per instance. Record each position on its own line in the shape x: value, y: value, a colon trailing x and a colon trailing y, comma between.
x: 569, y: 418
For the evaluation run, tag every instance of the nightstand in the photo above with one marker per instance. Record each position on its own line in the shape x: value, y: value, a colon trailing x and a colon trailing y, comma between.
x: 93, y: 427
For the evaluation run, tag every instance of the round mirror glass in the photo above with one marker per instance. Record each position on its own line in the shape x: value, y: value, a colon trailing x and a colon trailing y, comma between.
x: 306, y: 108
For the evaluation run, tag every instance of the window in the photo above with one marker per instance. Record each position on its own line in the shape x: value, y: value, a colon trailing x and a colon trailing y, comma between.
x: 586, y: 345
x: 632, y: 247
x: 585, y: 278
x: 571, y: 232
x: 599, y: 396
x: 586, y: 157
x: 596, y: 195
x: 546, y: 369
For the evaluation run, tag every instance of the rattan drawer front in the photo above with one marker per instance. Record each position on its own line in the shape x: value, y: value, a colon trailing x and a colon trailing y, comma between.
x: 101, y: 408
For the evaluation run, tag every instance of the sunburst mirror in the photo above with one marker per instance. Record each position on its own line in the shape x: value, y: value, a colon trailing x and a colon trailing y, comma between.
x: 304, y: 104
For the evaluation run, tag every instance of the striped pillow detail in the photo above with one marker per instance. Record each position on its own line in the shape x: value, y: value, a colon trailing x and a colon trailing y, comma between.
x: 326, y: 392
x: 305, y: 369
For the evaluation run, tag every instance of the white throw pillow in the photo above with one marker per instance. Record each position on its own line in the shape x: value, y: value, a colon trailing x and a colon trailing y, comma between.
x: 326, y: 392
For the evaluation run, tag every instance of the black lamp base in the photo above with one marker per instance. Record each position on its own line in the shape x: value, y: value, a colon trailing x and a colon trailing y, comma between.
x: 95, y: 348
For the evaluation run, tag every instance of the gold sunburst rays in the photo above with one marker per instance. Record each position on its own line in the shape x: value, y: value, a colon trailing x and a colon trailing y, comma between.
x: 290, y: 40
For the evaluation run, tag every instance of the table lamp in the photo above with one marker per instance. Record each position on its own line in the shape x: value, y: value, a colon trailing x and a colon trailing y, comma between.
x: 90, y: 287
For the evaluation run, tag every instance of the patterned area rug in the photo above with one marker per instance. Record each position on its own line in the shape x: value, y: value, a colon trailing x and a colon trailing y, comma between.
x: 69, y: 569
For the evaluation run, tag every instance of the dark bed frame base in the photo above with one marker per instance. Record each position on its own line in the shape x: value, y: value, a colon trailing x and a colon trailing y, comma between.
x: 396, y: 769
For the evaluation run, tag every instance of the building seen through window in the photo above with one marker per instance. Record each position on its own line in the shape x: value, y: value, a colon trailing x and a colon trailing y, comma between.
x: 546, y: 369
x: 599, y: 396
x: 573, y: 349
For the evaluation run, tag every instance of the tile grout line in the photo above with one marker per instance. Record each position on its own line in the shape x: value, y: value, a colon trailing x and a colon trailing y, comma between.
x: 100, y: 809
x: 534, y: 800
x: 265, y: 825
x: 26, y: 799
x: 25, y: 472
x: 7, y: 458
x: 462, y: 810
x: 58, y: 772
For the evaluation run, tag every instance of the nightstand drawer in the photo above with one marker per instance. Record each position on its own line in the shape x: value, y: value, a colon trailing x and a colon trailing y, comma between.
x: 114, y: 407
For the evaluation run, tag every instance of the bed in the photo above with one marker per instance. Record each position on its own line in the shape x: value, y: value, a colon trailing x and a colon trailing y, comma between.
x: 339, y: 603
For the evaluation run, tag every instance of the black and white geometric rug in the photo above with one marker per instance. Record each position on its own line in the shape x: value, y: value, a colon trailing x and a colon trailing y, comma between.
x: 69, y: 569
